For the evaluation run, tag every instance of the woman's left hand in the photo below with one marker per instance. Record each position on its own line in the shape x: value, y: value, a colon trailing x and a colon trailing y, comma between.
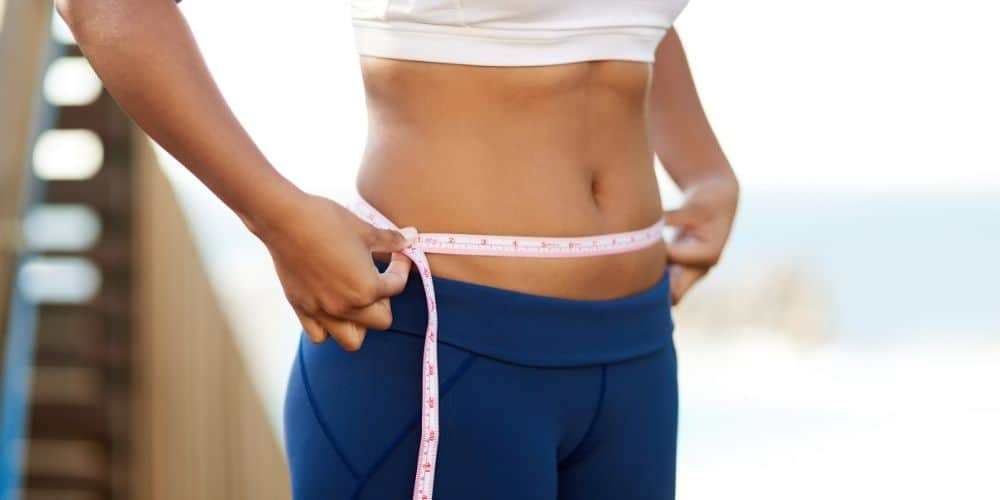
x: 703, y: 223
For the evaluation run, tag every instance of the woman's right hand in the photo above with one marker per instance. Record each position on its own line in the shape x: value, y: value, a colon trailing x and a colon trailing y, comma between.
x: 323, y: 256
x: 147, y: 58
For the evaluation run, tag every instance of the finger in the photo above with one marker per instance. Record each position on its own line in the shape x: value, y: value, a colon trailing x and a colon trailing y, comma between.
x: 377, y: 315
x: 682, y: 278
x: 391, y: 240
x: 393, y: 279
x: 690, y: 251
x: 313, y: 329
x: 348, y: 334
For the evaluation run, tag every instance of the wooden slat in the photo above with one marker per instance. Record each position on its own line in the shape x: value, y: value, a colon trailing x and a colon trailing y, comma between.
x: 70, y: 421
x: 41, y: 493
x: 67, y: 464
x: 23, y: 42
x: 106, y: 192
x: 201, y: 430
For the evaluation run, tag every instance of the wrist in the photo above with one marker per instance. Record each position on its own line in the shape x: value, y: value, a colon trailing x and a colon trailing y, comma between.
x: 723, y: 178
x: 272, y: 208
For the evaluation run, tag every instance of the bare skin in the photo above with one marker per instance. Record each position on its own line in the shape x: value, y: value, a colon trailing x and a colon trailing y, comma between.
x: 556, y: 150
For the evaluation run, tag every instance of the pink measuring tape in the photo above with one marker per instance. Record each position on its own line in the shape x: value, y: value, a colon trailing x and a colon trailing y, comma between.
x: 480, y: 244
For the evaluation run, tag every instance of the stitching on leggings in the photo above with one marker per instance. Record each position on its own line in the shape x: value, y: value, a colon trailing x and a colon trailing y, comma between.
x: 319, y: 416
x: 578, y: 450
x: 445, y: 387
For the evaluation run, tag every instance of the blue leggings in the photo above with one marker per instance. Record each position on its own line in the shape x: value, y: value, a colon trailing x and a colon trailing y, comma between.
x: 541, y: 399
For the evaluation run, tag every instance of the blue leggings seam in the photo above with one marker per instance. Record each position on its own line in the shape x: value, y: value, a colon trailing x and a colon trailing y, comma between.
x: 578, y: 450
x: 319, y: 416
x: 445, y: 387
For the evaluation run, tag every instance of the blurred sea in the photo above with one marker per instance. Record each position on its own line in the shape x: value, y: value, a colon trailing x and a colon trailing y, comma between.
x: 896, y: 266
x: 898, y: 397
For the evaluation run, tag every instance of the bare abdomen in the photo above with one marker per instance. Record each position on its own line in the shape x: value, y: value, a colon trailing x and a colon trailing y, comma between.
x: 547, y: 151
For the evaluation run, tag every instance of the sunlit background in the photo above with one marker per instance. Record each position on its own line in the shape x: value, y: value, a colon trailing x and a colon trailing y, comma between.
x: 848, y: 344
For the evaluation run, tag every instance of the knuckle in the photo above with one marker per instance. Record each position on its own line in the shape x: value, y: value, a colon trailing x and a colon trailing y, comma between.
x: 340, y: 309
x: 310, y: 307
x: 332, y: 306
x: 370, y: 235
x: 397, y: 238
x: 364, y: 293
x: 293, y: 299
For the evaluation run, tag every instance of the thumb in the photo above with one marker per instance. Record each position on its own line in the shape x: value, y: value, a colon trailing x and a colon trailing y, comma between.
x: 391, y: 240
x: 682, y: 278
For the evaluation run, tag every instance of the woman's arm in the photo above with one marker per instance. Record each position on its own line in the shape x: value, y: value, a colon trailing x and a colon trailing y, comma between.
x: 145, y: 54
x: 690, y: 153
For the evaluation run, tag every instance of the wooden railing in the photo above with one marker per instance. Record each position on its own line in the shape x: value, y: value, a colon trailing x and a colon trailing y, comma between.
x: 201, y: 431
x: 24, y: 46
x: 138, y: 390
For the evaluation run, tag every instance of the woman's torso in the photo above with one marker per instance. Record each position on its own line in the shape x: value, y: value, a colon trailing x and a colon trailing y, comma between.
x: 559, y: 150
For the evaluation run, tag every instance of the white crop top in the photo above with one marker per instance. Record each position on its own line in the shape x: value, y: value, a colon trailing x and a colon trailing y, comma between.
x: 512, y: 32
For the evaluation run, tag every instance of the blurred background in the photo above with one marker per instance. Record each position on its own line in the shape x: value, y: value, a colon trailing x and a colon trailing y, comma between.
x: 848, y: 346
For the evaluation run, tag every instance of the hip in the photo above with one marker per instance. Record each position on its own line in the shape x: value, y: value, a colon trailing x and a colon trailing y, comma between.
x: 538, y: 330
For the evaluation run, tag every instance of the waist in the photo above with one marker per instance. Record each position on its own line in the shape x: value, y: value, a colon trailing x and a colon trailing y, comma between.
x: 433, y: 206
x: 496, y: 183
x: 538, y: 330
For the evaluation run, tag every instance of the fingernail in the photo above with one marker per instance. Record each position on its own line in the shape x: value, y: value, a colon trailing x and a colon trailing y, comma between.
x: 410, y: 233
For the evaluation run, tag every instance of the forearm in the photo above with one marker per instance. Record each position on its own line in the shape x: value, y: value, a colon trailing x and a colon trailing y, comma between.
x: 680, y: 132
x: 145, y: 54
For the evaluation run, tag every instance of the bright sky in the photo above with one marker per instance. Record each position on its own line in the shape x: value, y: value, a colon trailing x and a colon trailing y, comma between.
x: 853, y: 95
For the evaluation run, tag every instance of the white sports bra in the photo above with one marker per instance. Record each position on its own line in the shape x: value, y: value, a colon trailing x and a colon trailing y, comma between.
x: 512, y: 32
